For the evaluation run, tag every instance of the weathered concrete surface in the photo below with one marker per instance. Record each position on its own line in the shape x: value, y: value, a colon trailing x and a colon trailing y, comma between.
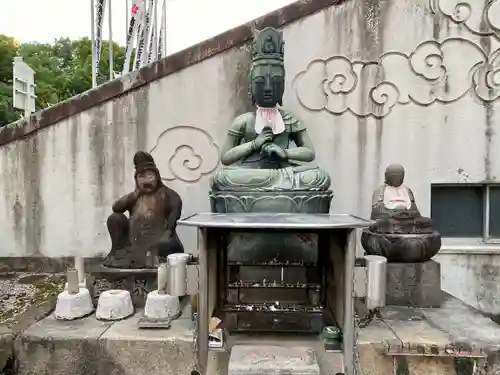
x: 414, y: 284
x: 24, y: 299
x: 272, y: 359
x: 92, y: 347
x: 137, y: 351
x: 6, y: 346
x: 53, y: 346
x: 450, y: 340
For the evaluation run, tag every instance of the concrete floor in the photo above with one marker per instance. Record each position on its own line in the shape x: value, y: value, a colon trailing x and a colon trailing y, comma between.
x: 401, y: 341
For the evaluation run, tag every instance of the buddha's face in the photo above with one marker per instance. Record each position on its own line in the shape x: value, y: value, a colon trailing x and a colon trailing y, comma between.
x: 395, y: 177
x: 267, y: 83
x: 147, y: 181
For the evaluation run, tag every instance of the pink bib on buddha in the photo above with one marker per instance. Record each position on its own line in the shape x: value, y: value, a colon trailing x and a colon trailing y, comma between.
x: 395, y: 197
x: 270, y: 117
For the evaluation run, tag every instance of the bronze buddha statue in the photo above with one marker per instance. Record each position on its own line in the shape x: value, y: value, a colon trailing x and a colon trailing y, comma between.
x: 267, y: 152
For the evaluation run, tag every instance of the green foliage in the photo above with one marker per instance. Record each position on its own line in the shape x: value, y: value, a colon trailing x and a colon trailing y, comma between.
x: 63, y: 69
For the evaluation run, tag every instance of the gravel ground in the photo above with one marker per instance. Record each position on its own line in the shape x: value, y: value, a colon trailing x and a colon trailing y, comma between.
x: 20, y: 291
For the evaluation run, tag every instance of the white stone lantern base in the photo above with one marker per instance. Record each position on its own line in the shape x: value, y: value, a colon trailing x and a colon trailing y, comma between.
x: 73, y: 306
x: 161, y: 306
x: 115, y: 304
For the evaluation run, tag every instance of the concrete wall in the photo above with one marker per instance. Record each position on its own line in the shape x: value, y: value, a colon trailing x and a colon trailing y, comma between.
x: 376, y: 82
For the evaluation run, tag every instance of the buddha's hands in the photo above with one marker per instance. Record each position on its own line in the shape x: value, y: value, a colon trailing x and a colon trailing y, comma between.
x: 274, y: 151
x: 263, y: 138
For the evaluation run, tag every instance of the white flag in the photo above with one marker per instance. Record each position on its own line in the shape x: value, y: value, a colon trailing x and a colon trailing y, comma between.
x: 162, y: 42
x: 153, y: 41
x: 100, y: 7
x: 135, y: 14
x: 147, y: 32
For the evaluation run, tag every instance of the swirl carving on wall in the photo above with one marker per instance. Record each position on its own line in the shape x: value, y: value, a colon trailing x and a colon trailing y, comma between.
x: 185, y: 153
x: 427, y: 75
x: 480, y: 19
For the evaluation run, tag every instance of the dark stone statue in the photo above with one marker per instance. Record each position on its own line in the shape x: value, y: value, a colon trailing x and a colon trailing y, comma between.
x: 400, y: 233
x: 148, y: 235
x: 267, y: 152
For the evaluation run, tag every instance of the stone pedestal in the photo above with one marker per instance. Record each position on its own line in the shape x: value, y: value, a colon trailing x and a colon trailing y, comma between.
x: 73, y: 306
x: 311, y: 202
x: 114, y: 305
x: 161, y: 306
x: 414, y: 284
x: 139, y: 282
x: 267, y: 359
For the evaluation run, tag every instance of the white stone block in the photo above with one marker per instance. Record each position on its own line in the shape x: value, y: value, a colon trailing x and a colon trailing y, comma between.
x: 161, y: 306
x: 270, y: 359
x: 114, y: 304
x: 73, y: 306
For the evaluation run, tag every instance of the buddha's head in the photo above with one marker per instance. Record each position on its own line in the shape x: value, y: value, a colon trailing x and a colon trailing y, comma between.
x: 267, y: 75
x: 394, y: 175
x: 147, y: 176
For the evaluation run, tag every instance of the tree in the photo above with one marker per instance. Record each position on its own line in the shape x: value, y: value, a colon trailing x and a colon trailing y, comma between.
x: 8, y: 49
x: 63, y: 69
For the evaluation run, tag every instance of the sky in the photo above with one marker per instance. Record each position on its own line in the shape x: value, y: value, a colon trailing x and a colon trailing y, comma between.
x: 188, y: 21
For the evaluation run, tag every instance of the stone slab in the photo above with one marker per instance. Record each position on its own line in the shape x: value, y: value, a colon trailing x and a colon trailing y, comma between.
x: 373, y: 341
x: 417, y: 334
x: 454, y: 330
x: 414, y: 284
x: 155, y: 323
x: 136, y: 351
x: 467, y: 327
x: 271, y: 359
x: 52, y: 329
x: 463, y: 341
x: 51, y: 346
x: 377, y: 333
x: 6, y: 346
x: 91, y: 347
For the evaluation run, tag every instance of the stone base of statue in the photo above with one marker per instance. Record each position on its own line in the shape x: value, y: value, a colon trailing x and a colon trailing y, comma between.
x: 73, y: 306
x: 295, y: 201
x: 258, y: 248
x: 139, y: 282
x: 159, y: 310
x: 414, y: 284
x: 401, y: 248
x: 114, y: 304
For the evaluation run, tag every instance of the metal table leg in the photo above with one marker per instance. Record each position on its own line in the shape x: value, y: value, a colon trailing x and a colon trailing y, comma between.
x: 203, y: 317
x: 348, y: 334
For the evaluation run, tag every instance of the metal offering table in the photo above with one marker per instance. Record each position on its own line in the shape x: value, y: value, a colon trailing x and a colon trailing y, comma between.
x: 336, y: 241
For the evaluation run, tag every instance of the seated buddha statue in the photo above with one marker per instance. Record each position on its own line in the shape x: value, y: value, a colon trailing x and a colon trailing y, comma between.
x: 268, y: 150
x: 400, y: 233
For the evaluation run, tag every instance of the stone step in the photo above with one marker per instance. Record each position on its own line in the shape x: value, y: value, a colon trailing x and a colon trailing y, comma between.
x: 91, y: 347
x: 449, y: 340
x: 286, y: 349
x: 274, y: 359
x: 405, y: 341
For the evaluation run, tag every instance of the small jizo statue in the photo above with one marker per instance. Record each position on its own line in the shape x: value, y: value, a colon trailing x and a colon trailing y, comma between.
x: 393, y: 196
x: 400, y: 233
x: 148, y: 235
